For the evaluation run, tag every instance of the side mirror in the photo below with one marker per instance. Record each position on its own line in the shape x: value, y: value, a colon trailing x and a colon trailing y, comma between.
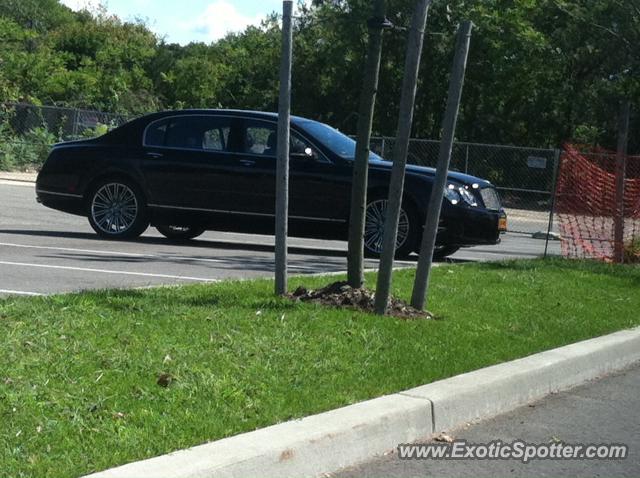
x: 308, y: 155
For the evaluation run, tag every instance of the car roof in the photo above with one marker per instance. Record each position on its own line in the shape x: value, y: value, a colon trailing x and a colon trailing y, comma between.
x: 133, y: 129
x: 221, y: 112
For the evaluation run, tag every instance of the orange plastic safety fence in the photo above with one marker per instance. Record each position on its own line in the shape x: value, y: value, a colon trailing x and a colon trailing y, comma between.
x: 586, y: 204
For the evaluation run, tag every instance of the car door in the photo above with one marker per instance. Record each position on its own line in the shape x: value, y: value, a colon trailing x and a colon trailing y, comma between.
x: 255, y: 168
x: 319, y: 189
x: 189, y: 162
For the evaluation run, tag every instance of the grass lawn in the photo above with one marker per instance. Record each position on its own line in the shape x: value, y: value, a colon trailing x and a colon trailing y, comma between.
x: 78, y: 373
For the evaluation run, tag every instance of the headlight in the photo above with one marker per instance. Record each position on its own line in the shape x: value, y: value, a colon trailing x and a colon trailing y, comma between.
x: 452, y: 194
x: 467, y: 197
x: 455, y: 194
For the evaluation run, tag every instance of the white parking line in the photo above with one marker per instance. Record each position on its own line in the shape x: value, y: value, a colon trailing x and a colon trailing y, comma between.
x: 107, y: 271
x: 19, y: 292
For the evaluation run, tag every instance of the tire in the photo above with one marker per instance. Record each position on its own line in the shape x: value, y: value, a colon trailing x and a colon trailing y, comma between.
x: 374, y: 229
x: 440, y: 252
x: 180, y: 233
x: 116, y: 209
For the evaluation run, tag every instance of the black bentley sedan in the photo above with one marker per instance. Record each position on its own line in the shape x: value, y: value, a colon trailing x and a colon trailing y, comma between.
x: 187, y: 171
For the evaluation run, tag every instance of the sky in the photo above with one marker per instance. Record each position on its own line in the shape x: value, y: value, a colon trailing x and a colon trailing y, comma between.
x: 185, y: 21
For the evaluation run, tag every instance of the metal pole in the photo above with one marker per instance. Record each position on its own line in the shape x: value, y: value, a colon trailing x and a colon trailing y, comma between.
x: 76, y: 120
x: 355, y: 255
x: 282, y: 166
x: 554, y: 191
x: 466, y: 160
x: 423, y: 271
x: 396, y: 185
x: 621, y: 157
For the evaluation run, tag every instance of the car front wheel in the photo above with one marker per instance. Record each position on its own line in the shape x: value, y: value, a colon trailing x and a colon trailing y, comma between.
x: 180, y: 233
x: 374, y: 229
x: 117, y: 209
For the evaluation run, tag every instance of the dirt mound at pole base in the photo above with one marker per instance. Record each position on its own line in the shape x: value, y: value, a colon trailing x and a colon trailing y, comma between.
x: 341, y: 294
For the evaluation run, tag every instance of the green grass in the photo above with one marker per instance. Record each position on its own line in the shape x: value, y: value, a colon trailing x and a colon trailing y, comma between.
x: 78, y: 373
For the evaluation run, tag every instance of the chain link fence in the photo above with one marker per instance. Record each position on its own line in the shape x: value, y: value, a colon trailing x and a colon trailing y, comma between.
x: 28, y: 131
x: 525, y: 177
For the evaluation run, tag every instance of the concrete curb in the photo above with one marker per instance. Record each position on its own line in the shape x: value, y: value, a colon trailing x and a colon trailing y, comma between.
x: 328, y: 441
x: 18, y: 177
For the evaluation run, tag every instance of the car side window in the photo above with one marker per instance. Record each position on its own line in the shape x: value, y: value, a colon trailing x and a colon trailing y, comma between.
x: 260, y: 137
x: 198, y: 132
x: 301, y: 148
x: 217, y: 138
x: 298, y: 145
x: 156, y: 133
x: 185, y: 132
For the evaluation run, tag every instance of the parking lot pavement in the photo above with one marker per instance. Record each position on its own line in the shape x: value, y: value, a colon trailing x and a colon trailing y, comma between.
x: 43, y: 251
x: 599, y: 412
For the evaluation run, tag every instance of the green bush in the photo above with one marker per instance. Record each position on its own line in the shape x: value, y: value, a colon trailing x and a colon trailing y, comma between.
x: 632, y: 251
x: 27, y: 151
x: 99, y: 130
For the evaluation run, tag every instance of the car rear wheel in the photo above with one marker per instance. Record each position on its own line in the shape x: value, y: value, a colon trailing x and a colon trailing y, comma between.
x: 374, y: 229
x: 117, y: 209
x: 180, y: 233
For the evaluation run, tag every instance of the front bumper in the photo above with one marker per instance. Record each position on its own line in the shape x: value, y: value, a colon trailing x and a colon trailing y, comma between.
x: 470, y: 226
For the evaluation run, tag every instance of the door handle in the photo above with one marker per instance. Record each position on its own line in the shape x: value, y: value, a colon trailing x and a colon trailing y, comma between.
x: 151, y: 154
x: 247, y: 162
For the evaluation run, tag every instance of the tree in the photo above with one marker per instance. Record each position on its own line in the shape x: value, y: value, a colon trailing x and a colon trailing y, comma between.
x: 409, y: 85
x: 540, y: 72
x: 361, y: 161
x: 423, y: 271
x: 282, y: 169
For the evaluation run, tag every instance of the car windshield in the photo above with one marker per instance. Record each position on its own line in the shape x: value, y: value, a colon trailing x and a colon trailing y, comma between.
x: 333, y: 139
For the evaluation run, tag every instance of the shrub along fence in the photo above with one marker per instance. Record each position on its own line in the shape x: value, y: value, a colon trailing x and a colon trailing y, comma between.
x: 27, y: 131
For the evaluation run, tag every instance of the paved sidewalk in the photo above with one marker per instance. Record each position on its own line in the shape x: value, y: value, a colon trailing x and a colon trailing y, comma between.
x: 604, y: 411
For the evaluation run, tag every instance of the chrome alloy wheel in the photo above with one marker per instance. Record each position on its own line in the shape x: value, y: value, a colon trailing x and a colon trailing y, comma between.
x: 374, y: 226
x: 114, y: 208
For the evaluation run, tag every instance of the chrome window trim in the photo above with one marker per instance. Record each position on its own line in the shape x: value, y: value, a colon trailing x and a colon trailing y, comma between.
x: 259, y: 214
x: 321, y: 158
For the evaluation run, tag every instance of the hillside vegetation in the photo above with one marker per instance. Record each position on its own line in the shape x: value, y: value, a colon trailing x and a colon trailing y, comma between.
x: 540, y: 71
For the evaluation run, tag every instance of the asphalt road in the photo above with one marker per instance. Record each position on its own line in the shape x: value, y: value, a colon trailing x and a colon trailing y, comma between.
x: 601, y: 412
x: 43, y: 251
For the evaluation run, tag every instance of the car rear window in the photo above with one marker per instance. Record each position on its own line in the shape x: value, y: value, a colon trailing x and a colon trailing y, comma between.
x: 156, y: 133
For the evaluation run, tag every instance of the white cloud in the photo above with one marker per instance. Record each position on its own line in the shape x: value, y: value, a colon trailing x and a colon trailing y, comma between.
x: 220, y: 18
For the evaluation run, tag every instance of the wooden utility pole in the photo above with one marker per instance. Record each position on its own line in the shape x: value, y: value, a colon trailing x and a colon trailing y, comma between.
x: 282, y: 166
x: 396, y: 186
x: 423, y: 271
x: 621, y: 161
x: 355, y: 256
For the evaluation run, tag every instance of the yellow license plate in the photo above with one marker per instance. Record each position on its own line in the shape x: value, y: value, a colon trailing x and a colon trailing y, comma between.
x: 502, y: 224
